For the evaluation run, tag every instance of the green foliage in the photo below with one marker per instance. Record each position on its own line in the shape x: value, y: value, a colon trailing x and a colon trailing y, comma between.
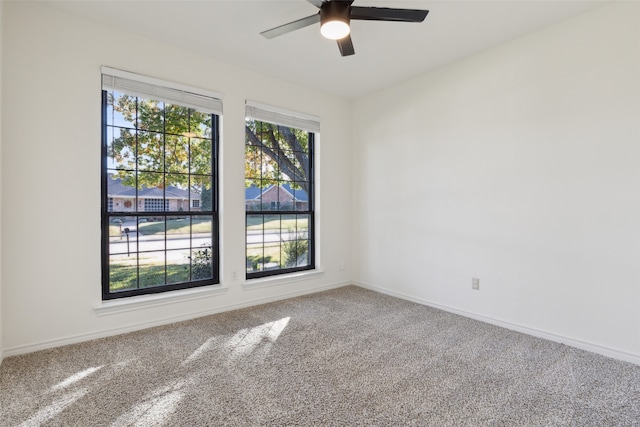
x: 164, y: 142
x: 256, y: 263
x: 206, y: 199
x: 295, y: 250
x: 201, y: 264
x: 274, y: 153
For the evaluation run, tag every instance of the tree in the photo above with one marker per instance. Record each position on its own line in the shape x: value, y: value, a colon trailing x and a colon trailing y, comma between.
x: 206, y: 199
x: 275, y: 153
x: 164, y: 137
x: 153, y: 138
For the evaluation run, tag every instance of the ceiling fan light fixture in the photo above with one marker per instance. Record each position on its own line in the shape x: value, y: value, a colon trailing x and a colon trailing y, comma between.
x: 334, y: 20
x: 335, y: 30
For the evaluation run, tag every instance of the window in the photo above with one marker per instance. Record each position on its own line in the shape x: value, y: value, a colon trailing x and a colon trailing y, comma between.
x: 159, y: 147
x: 195, y: 203
x: 156, y: 205
x: 279, y: 191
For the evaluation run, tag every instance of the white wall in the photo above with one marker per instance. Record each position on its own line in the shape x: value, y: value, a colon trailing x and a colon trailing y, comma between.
x: 51, y: 200
x: 519, y: 166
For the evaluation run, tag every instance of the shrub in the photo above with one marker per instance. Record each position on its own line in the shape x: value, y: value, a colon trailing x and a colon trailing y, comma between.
x: 201, y: 264
x: 295, y: 250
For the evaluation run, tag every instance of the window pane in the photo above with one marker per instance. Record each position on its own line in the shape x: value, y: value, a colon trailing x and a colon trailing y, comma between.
x: 201, y: 227
x: 123, y: 237
x: 151, y: 115
x: 121, y: 148
x: 150, y: 151
x: 151, y: 269
x: 151, y: 232
x: 123, y: 272
x: 122, y: 110
x: 177, y: 192
x: 263, y: 256
x: 177, y: 119
x: 178, y: 232
x: 253, y: 163
x: 201, y: 265
x: 301, y: 199
x: 178, y: 266
x: 302, y: 223
x: 200, y: 124
x: 177, y: 154
x: 201, y: 196
x: 150, y: 185
x: 200, y: 150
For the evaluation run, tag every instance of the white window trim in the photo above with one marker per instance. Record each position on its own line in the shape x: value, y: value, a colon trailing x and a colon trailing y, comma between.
x: 282, y: 279
x: 121, y: 305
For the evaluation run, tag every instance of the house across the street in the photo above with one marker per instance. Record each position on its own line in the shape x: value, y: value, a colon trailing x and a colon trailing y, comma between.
x: 276, y: 197
x: 122, y: 198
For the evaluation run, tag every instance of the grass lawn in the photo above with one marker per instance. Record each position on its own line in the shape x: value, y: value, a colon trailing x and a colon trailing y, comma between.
x: 269, y: 253
x: 123, y: 277
x: 175, y: 227
x: 272, y: 222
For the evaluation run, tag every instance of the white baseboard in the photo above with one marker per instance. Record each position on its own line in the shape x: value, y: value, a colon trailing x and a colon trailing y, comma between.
x: 583, y: 345
x: 74, y: 339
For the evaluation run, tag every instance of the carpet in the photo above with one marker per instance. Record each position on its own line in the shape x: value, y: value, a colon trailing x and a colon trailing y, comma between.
x: 344, y: 357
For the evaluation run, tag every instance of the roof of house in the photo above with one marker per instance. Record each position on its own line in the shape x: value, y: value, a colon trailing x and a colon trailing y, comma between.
x: 117, y: 189
x: 253, y: 192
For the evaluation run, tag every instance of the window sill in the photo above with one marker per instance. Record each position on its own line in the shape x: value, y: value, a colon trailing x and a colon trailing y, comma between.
x: 281, y: 280
x: 122, y: 305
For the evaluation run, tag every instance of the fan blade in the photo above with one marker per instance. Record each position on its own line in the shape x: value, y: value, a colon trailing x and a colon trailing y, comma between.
x: 291, y: 26
x: 316, y: 3
x: 346, y: 46
x: 388, y: 14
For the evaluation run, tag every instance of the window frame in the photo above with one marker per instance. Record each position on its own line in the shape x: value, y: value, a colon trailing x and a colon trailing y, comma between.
x: 107, y: 214
x: 310, y: 211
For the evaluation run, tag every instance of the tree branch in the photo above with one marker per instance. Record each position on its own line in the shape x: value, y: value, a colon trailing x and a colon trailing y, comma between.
x: 276, y: 153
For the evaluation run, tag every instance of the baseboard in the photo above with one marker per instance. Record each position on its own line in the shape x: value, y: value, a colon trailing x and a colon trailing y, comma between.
x: 583, y: 345
x: 74, y: 339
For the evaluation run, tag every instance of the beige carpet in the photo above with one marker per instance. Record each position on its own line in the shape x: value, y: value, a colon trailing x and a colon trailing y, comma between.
x: 347, y: 357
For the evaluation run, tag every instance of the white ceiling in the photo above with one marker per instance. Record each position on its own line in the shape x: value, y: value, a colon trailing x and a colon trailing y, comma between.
x: 386, y: 52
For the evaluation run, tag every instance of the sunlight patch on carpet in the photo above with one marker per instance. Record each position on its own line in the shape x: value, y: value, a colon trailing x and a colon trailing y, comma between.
x: 155, y: 409
x: 54, y: 408
x: 75, y: 378
x: 248, y: 340
x: 209, y: 344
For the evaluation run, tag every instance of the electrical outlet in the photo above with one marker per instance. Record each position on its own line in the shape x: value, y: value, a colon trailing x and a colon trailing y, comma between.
x: 475, y: 284
x: 234, y: 275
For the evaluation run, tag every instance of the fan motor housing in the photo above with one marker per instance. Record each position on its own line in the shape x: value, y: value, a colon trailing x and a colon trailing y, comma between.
x: 334, y: 11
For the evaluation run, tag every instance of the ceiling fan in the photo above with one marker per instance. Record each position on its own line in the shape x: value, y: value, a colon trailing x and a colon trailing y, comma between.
x: 334, y: 17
